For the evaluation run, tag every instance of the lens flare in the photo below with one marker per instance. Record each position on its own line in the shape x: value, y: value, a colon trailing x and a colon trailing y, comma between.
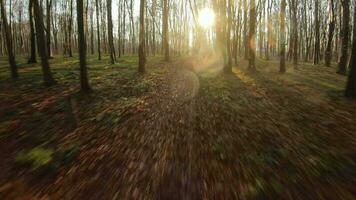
x: 206, y: 18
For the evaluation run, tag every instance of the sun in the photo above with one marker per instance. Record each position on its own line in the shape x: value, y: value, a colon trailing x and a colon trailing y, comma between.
x: 206, y: 18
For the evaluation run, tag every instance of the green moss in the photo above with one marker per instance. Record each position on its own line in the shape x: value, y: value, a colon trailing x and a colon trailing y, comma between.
x: 35, y: 158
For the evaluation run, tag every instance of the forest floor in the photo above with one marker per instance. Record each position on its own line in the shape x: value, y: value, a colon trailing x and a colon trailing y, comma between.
x: 177, y: 134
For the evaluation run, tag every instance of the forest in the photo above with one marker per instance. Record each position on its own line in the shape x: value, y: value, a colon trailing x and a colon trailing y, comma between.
x: 177, y: 99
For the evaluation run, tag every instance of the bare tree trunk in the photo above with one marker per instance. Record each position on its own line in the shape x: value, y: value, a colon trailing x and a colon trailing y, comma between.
x: 70, y: 30
x: 41, y: 43
x: 282, y: 66
x: 345, y: 36
x: 141, y: 48
x: 246, y: 42
x: 165, y: 36
x: 252, y: 37
x: 110, y: 32
x: 32, y: 58
x: 351, y: 83
x: 8, y: 37
x: 317, y: 34
x: 48, y: 26
x: 228, y: 65
x: 98, y: 27
x: 84, y: 83
x: 332, y: 18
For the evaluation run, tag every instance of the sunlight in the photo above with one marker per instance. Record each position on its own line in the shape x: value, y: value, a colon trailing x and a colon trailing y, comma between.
x: 206, y: 18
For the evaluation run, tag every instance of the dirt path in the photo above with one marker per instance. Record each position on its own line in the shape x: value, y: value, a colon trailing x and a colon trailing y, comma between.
x: 236, y: 136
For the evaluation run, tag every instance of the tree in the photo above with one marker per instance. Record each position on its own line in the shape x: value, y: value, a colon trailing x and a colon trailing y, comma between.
x: 350, y: 91
x: 41, y: 43
x: 332, y: 19
x: 141, y: 48
x: 344, y: 33
x: 8, y: 37
x: 165, y: 36
x: 228, y: 65
x: 48, y: 26
x: 294, y: 10
x: 317, y: 34
x: 252, y: 37
x: 32, y: 58
x: 246, y: 43
x: 98, y: 27
x: 84, y: 83
x: 282, y: 66
x: 110, y: 32
x: 70, y: 30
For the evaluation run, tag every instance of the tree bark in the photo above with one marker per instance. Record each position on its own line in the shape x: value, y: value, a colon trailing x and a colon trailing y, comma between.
x: 282, y: 66
x: 351, y: 82
x: 41, y: 43
x: 165, y: 34
x: 332, y: 19
x: 228, y: 65
x: 98, y: 28
x: 8, y: 38
x: 84, y: 83
x: 32, y: 58
x: 48, y: 26
x: 141, y: 48
x: 317, y: 34
x: 345, y: 30
x: 252, y: 37
x: 110, y: 32
x: 70, y: 30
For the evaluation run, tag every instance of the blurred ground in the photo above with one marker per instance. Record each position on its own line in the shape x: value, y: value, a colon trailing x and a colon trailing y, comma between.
x: 176, y: 134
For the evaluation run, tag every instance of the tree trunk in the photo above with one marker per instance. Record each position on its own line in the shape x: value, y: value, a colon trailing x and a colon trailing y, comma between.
x: 328, y: 52
x: 317, y: 34
x: 282, y: 66
x: 48, y: 26
x: 246, y: 42
x: 351, y: 83
x: 252, y: 37
x: 98, y: 28
x: 165, y: 36
x: 8, y: 38
x: 70, y: 30
x: 345, y: 37
x: 228, y: 65
x: 141, y: 48
x: 110, y: 32
x: 41, y: 43
x: 84, y: 84
x: 32, y: 58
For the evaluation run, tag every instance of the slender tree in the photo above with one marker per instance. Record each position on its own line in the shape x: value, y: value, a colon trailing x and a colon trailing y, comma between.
x: 70, y: 26
x: 165, y: 34
x: 228, y: 65
x: 141, y: 48
x: 351, y: 82
x: 110, y: 32
x: 48, y: 26
x: 41, y: 43
x: 246, y: 43
x: 32, y: 58
x: 8, y: 37
x: 98, y: 27
x: 332, y: 19
x: 252, y: 37
x: 84, y: 83
x: 317, y: 34
x: 344, y: 33
x: 282, y: 66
